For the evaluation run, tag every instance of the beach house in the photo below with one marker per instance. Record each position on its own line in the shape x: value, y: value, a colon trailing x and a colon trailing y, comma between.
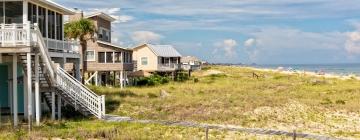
x: 190, y: 63
x: 104, y: 63
x: 156, y: 58
x: 33, y: 54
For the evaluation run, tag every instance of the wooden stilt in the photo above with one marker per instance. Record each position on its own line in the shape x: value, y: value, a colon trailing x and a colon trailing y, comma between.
x: 37, y: 90
x: 15, y: 93
x: 59, y: 107
x: 121, y: 79
x: 53, y: 105
x: 29, y: 88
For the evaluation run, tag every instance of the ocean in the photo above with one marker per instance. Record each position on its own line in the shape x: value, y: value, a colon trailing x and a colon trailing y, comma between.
x: 338, y: 69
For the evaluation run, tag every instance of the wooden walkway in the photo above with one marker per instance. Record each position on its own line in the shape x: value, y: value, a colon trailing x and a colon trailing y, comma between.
x: 114, y: 118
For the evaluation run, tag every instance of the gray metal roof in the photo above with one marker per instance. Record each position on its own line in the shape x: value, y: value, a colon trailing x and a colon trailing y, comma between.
x: 164, y: 50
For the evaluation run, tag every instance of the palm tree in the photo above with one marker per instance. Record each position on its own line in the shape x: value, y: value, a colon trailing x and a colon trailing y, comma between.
x: 83, y: 30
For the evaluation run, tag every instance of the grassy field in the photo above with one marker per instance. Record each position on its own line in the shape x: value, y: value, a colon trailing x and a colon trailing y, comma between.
x: 274, y: 101
x: 277, y: 101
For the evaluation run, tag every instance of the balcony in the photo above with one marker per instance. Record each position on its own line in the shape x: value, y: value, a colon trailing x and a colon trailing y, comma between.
x: 24, y: 35
x: 168, y: 67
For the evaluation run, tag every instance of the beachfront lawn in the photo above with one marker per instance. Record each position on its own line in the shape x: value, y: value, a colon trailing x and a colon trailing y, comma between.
x: 277, y: 101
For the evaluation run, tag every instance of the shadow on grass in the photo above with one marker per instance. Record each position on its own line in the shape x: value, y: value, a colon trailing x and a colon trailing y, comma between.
x: 113, y: 101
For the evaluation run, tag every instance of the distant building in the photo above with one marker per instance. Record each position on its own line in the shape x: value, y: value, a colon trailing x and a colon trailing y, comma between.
x: 104, y: 63
x: 190, y: 63
x: 156, y: 58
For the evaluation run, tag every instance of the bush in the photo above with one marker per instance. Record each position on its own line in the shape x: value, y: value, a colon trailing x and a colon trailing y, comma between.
x: 196, y: 80
x: 342, y: 102
x: 181, y: 77
x: 152, y: 80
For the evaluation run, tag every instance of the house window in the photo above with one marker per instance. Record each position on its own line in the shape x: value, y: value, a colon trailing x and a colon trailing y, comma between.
x: 117, y: 57
x: 101, y: 57
x: 144, y: 60
x: 51, y: 24
x: 32, y: 16
x: 109, y: 57
x: 90, y: 56
x: 104, y: 34
x: 13, y: 12
x: 42, y: 20
x: 59, y: 24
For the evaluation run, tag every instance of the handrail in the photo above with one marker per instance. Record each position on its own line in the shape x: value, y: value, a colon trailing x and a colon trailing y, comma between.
x: 27, y: 34
x: 73, y: 88
x: 45, y: 54
x: 81, y: 94
x: 77, y: 82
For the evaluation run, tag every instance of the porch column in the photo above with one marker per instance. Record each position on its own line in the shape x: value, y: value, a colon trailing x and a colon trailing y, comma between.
x: 125, y: 78
x: 25, y: 11
x: 52, y: 105
x: 29, y: 88
x: 121, y: 79
x: 59, y: 107
x: 96, y: 78
x: 15, y: 93
x: 37, y: 90
x: 25, y: 97
x: 77, y: 70
x: 63, y: 62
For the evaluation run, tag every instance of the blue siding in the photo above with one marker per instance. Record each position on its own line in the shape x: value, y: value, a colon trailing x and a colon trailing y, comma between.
x: 4, y: 97
x: 4, y: 87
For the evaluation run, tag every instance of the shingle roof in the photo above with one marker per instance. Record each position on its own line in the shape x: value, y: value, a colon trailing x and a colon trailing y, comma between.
x: 164, y: 50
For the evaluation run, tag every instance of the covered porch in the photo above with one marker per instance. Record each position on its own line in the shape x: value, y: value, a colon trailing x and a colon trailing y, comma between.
x: 168, y: 63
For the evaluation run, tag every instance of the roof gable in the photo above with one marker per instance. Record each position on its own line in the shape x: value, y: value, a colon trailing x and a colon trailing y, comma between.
x: 101, y: 15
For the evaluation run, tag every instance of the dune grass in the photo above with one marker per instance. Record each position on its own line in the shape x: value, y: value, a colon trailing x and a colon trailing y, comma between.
x: 277, y: 101
x: 219, y: 95
x: 92, y: 129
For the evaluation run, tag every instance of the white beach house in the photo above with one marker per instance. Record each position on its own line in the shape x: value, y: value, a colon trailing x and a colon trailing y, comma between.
x: 33, y: 54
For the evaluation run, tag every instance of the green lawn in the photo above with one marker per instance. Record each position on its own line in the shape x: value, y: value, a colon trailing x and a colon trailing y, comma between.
x: 277, y: 101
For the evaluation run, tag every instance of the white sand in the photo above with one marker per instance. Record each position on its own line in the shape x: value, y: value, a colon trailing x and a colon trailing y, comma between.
x: 307, y: 73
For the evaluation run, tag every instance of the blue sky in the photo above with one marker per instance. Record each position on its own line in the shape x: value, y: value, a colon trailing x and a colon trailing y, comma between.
x: 239, y: 31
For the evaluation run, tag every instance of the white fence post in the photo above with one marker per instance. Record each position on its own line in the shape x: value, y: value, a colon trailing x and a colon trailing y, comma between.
x: 103, y: 106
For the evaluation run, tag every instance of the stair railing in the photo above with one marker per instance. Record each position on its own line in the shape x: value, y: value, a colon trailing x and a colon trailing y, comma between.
x: 73, y: 88
x: 44, y: 53
x: 80, y: 94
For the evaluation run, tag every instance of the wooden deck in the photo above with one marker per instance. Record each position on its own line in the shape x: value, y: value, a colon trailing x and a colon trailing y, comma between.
x: 18, y: 49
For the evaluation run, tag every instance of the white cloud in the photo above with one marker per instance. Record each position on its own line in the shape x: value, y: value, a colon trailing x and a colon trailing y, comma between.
x: 282, y: 45
x: 124, y: 18
x: 250, y: 42
x: 145, y: 37
x: 228, y: 46
x: 352, y: 45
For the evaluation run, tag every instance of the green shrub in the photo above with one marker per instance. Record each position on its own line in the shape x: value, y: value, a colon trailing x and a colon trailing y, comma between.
x: 196, y: 80
x: 326, y: 101
x: 181, y: 77
x: 206, y: 68
x: 152, y: 95
x: 342, y: 102
x: 152, y: 80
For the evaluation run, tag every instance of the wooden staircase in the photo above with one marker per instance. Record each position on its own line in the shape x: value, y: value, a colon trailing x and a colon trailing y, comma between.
x: 54, y: 79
